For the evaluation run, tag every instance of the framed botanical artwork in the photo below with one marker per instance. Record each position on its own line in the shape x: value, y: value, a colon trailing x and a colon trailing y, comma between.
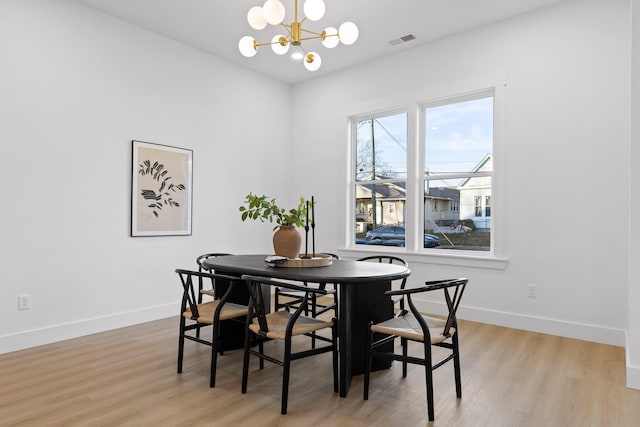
x: 161, y: 190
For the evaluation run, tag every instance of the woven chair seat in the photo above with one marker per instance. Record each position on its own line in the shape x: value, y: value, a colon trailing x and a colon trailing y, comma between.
x: 407, y: 326
x: 206, y: 310
x: 278, y: 322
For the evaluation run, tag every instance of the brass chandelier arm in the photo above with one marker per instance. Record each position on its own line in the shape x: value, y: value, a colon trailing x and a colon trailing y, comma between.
x: 287, y: 27
x: 318, y: 35
x: 289, y: 37
x: 257, y: 44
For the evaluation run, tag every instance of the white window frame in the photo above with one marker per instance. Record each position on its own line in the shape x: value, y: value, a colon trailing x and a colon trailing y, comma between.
x: 413, y: 250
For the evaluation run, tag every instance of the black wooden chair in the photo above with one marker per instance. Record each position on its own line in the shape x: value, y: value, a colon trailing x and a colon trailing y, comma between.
x: 284, y: 325
x: 202, y: 268
x: 204, y: 257
x: 411, y: 325
x: 291, y: 299
x: 196, y: 315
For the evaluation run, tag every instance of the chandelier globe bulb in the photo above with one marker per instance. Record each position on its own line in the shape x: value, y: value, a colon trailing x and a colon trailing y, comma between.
x: 273, y: 11
x: 247, y: 46
x: 255, y: 17
x: 348, y: 33
x: 280, y: 44
x: 312, y: 61
x: 314, y: 9
x: 330, y: 38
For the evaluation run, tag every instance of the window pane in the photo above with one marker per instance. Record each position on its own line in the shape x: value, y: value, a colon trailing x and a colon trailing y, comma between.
x: 459, y: 136
x: 456, y: 222
x: 381, y: 156
x: 380, y: 213
x: 458, y: 169
x: 381, y: 148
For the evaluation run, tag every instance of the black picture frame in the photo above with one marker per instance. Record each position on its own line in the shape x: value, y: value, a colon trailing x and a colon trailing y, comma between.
x: 161, y: 190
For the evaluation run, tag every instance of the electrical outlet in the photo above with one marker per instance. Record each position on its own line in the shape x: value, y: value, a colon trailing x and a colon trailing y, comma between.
x: 533, y: 291
x: 24, y: 302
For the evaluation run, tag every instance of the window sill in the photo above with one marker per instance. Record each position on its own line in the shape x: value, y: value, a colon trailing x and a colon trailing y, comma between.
x: 459, y: 258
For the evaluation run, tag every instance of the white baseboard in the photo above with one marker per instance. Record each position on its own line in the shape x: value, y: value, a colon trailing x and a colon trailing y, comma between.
x: 633, y: 377
x: 633, y: 372
x: 580, y: 331
x: 60, y: 332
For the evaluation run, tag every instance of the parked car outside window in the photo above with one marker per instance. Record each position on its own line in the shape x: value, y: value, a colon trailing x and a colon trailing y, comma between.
x: 394, y: 235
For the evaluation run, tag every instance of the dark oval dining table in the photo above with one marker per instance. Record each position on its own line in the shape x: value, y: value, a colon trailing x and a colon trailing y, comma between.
x: 361, y: 287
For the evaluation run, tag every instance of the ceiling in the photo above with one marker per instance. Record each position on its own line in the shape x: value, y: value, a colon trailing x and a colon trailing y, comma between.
x: 216, y: 26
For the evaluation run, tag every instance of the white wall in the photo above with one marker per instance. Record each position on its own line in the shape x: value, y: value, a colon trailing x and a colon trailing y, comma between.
x: 76, y: 87
x: 633, y: 349
x: 567, y: 70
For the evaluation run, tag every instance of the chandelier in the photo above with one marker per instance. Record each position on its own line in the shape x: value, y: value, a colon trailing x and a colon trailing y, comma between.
x: 272, y: 12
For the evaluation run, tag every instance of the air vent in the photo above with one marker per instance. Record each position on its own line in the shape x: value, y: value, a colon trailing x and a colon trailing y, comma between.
x: 402, y: 39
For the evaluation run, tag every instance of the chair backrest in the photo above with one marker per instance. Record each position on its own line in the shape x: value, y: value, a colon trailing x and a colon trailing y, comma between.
x: 258, y: 306
x: 455, y: 287
x: 453, y: 290
x: 204, y: 257
x: 192, y: 283
x: 334, y: 256
x: 388, y: 259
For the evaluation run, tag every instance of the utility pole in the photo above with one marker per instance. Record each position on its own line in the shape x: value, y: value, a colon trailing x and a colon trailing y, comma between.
x: 373, y: 172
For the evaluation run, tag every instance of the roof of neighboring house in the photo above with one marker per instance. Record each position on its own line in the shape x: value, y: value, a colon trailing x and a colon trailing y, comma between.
x: 444, y: 193
x: 387, y: 190
x: 397, y: 191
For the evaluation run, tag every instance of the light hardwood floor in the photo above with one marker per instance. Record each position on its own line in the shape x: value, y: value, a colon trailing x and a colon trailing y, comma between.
x: 127, y: 377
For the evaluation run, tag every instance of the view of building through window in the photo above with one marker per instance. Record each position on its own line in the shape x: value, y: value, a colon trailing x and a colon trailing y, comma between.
x: 381, y: 171
x: 458, y: 167
x: 458, y: 147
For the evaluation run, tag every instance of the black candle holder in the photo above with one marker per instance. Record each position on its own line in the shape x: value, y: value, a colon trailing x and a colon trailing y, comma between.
x: 313, y: 232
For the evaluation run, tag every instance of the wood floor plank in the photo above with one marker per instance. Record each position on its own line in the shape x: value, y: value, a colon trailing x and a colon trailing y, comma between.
x: 127, y: 377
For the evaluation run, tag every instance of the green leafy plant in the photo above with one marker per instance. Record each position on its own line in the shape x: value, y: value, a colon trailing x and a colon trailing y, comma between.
x: 264, y: 208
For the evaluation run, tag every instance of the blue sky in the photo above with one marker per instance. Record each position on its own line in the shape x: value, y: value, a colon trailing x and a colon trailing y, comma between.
x: 458, y: 136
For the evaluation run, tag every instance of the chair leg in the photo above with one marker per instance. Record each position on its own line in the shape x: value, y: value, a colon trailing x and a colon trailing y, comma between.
x: 285, y: 374
x: 428, y: 367
x: 261, y: 350
x: 367, y: 360
x: 245, y: 362
x: 199, y: 302
x: 405, y: 349
x: 215, y: 348
x: 276, y: 299
x: 181, y: 343
x: 334, y: 335
x: 456, y: 365
x: 314, y: 310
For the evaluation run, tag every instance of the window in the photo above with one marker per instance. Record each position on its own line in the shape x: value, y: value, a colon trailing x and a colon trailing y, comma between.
x: 478, y: 206
x: 443, y: 172
x: 380, y: 175
x: 458, y: 166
